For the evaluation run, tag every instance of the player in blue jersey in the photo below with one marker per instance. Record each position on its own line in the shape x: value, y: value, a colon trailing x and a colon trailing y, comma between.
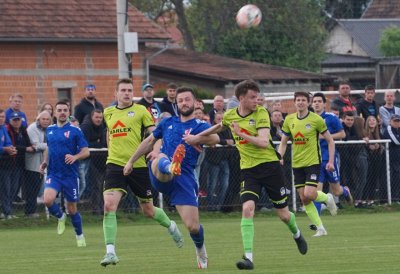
x: 172, y: 168
x: 66, y: 145
x: 337, y: 132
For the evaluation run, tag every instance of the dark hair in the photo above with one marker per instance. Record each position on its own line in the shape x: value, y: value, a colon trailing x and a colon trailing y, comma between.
x: 185, y: 89
x: 348, y: 113
x: 302, y: 94
x: 123, y: 81
x: 243, y: 87
x: 1, y: 110
x: 369, y: 87
x: 320, y: 94
x: 344, y: 83
x: 63, y: 102
x: 172, y: 85
x: 95, y: 111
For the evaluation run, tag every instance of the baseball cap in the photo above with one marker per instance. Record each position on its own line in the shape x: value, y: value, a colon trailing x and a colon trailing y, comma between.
x: 395, y: 117
x: 146, y: 86
x: 90, y: 86
x: 15, y: 115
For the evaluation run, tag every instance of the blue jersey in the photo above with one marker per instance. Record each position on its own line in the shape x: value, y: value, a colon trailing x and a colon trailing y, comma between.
x: 334, y: 126
x: 171, y: 131
x: 61, y: 141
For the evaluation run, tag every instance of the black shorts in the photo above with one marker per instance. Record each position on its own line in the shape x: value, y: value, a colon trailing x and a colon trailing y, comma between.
x: 138, y: 181
x: 267, y: 175
x: 306, y: 176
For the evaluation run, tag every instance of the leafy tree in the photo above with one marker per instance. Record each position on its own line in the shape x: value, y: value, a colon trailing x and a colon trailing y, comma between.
x: 389, y: 44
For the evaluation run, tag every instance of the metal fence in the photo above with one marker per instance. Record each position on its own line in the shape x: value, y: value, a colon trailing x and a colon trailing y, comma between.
x: 371, y: 175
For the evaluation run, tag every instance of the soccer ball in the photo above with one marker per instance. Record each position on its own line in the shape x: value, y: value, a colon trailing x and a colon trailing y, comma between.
x: 248, y: 16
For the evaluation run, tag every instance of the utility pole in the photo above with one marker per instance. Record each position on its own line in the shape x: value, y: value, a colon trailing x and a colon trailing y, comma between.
x: 122, y: 27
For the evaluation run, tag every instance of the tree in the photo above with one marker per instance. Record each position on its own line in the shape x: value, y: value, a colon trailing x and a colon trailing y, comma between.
x: 389, y: 44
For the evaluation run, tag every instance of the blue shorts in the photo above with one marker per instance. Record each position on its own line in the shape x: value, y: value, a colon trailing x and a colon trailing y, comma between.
x: 182, y: 190
x: 70, y: 186
x: 326, y: 176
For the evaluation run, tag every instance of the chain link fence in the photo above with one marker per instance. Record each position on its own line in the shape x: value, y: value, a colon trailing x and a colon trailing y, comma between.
x: 370, y: 174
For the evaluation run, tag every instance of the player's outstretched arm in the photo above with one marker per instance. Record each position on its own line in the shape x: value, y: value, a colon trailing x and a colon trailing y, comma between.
x: 261, y: 140
x: 195, y: 140
x: 145, y: 147
x: 217, y: 128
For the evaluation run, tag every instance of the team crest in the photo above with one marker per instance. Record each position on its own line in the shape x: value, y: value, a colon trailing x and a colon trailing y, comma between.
x: 308, y: 126
x: 187, y: 131
x: 252, y: 122
x: 131, y: 113
x: 66, y: 134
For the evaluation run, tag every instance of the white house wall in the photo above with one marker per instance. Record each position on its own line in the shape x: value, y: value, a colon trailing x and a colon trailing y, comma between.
x: 340, y: 42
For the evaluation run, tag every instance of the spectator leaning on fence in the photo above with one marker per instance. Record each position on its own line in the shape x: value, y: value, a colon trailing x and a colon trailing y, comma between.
x: 375, y: 159
x: 388, y: 109
x: 33, y: 182
x: 6, y: 150
x: 87, y: 104
x: 392, y: 132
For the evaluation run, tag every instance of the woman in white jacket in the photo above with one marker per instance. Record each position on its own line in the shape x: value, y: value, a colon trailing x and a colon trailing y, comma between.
x: 33, y: 182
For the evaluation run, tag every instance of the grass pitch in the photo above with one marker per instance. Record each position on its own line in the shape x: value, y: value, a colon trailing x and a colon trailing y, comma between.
x: 356, y: 243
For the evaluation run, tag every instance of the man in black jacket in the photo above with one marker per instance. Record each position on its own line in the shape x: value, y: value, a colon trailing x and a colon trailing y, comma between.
x: 87, y: 104
x: 367, y: 105
x: 168, y: 104
x: 94, y: 131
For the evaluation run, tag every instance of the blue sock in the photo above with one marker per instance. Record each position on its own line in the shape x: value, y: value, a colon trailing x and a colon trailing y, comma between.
x: 76, y: 221
x: 318, y: 206
x: 55, y: 210
x: 163, y: 165
x: 198, y: 238
x: 345, y: 192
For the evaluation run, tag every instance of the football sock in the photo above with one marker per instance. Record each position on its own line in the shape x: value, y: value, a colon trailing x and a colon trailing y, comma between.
x: 161, y: 217
x: 110, y: 248
x: 345, y: 192
x: 321, y: 197
x: 247, y: 228
x: 318, y: 207
x: 76, y: 221
x: 292, y: 224
x: 164, y: 165
x: 312, y: 214
x: 55, y: 210
x: 198, y: 238
x: 110, y: 227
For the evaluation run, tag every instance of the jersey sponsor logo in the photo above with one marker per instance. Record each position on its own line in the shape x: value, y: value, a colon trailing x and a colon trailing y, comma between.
x: 119, y: 129
x: 66, y: 134
x: 299, y: 139
x: 240, y: 139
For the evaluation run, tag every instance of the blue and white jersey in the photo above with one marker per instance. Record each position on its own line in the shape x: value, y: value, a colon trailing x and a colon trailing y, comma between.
x: 171, y: 130
x: 334, y: 126
x: 60, y: 142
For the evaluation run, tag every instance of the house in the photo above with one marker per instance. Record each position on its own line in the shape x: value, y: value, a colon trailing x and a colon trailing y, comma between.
x: 353, y: 49
x: 219, y: 74
x: 50, y: 49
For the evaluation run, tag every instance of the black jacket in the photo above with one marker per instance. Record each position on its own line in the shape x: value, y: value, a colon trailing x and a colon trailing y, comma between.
x: 167, y: 106
x: 21, y: 141
x: 365, y: 109
x: 95, y: 135
x: 84, y: 108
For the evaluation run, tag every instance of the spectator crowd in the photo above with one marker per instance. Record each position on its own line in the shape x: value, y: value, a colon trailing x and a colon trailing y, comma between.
x: 23, y: 142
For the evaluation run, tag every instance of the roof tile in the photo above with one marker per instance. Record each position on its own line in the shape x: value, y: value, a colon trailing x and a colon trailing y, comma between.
x: 73, y: 19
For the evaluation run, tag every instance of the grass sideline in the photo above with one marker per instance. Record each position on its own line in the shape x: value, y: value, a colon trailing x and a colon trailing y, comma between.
x: 359, y: 241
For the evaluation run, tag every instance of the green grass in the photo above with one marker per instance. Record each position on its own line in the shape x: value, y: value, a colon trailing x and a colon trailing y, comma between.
x: 357, y: 243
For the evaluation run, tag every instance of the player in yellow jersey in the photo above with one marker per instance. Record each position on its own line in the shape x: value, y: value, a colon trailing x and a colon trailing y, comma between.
x: 259, y: 164
x: 304, y: 128
x: 125, y: 122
